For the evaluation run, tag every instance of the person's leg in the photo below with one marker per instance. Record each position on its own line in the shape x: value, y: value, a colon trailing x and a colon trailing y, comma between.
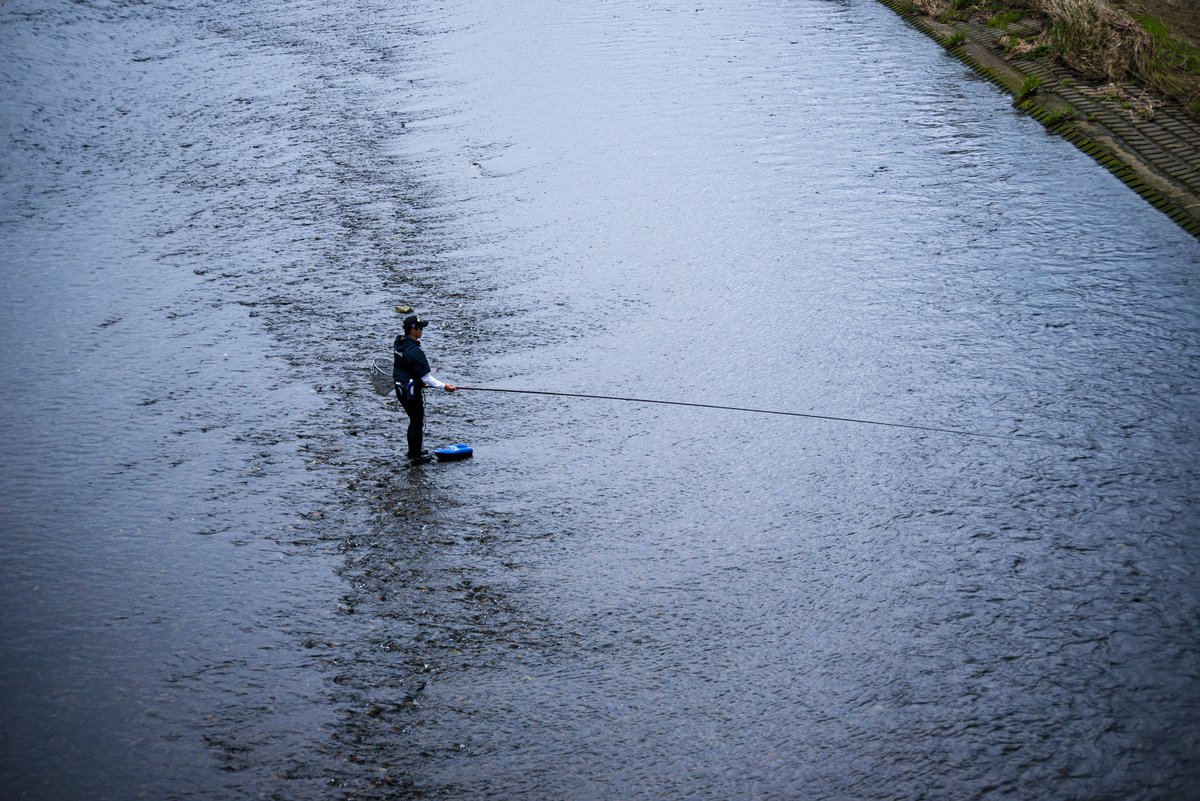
x: 416, y: 424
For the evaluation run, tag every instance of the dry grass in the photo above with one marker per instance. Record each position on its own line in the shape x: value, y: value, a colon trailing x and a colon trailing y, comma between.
x: 1138, y: 103
x: 1096, y: 39
x: 1107, y: 43
x: 931, y: 8
x: 1017, y: 47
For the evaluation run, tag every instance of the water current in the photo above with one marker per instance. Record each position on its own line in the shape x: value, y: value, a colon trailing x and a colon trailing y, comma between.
x: 221, y: 582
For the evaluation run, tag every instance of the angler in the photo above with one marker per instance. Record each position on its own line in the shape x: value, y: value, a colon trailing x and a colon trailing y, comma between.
x: 410, y: 371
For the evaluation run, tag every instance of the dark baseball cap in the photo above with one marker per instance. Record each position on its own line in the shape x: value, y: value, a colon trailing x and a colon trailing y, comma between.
x: 414, y: 321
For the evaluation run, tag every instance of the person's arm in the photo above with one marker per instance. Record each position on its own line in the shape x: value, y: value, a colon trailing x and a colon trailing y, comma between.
x: 430, y: 381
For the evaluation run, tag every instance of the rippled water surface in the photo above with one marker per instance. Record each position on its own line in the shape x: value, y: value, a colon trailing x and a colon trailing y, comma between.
x: 221, y: 583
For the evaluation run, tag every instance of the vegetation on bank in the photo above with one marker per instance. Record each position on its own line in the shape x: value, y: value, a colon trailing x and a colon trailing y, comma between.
x: 1100, y: 41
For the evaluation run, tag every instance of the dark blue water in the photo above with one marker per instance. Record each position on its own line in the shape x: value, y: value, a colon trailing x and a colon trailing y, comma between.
x: 221, y: 582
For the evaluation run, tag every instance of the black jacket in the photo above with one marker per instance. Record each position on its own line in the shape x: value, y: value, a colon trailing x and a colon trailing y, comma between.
x: 409, y: 362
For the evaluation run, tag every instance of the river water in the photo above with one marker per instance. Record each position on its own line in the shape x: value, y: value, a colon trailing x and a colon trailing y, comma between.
x: 220, y: 582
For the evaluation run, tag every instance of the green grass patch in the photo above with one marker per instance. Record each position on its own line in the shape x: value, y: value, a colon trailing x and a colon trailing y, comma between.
x: 1005, y: 19
x: 1029, y: 87
x: 1169, y: 50
x: 1059, y: 116
x: 1169, y: 66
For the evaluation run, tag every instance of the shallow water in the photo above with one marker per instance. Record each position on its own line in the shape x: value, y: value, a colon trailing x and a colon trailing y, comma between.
x: 221, y: 584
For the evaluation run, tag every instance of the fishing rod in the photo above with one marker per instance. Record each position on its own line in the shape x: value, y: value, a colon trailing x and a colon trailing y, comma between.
x: 764, y: 411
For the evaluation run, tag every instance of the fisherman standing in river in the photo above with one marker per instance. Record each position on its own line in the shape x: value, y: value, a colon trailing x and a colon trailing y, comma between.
x: 410, y: 370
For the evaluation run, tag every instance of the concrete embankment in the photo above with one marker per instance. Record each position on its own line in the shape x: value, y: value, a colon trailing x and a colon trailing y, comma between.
x: 1157, y: 154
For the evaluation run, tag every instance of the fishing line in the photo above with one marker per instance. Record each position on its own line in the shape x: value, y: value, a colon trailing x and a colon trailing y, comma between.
x: 765, y: 411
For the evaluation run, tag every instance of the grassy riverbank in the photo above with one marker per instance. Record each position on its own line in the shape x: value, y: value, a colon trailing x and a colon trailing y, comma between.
x: 1120, y: 83
x: 1147, y: 50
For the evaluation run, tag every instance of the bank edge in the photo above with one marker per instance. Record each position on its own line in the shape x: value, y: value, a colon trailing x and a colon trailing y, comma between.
x: 1158, y: 157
